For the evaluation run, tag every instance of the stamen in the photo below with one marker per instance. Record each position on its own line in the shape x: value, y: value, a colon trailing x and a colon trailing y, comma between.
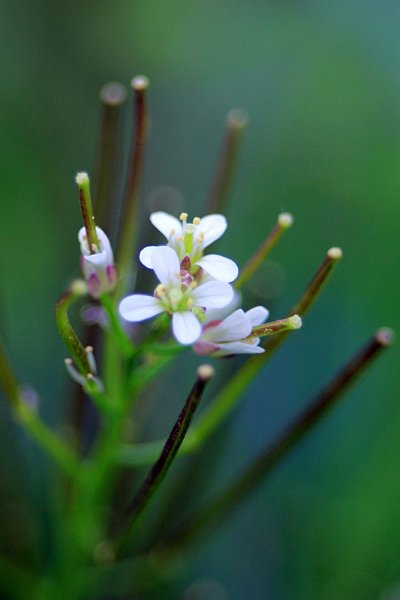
x: 91, y: 359
x: 74, y: 373
x: 97, y: 382
x: 186, y: 263
x: 183, y: 217
x: 189, y: 304
x: 196, y: 221
x: 159, y: 291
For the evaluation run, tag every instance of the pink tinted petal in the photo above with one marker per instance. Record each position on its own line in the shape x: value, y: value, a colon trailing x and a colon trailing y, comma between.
x: 166, y: 265
x: 238, y: 348
x: 203, y: 348
x: 234, y: 327
x: 219, y: 267
x: 112, y: 276
x: 213, y: 294
x: 213, y: 226
x: 94, y: 285
x: 166, y: 223
x: 257, y: 315
x: 145, y: 256
x: 186, y: 327
x: 139, y: 307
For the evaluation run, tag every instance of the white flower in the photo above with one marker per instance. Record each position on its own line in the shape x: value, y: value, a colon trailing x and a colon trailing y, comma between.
x: 177, y: 294
x: 189, y: 240
x: 98, y: 268
x: 231, y: 336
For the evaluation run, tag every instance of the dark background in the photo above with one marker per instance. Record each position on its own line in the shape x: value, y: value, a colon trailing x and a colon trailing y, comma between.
x: 321, y: 83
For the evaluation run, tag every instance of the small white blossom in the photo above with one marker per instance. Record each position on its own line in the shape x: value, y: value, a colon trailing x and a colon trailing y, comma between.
x: 232, y: 335
x: 179, y: 295
x: 189, y: 240
x: 98, y: 268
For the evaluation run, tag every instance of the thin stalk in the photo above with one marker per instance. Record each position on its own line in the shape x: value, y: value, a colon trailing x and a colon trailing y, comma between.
x: 235, y: 125
x: 284, y: 222
x: 116, y: 329
x: 127, y: 242
x: 113, y: 96
x: 226, y: 400
x: 273, y: 327
x: 319, y: 280
x: 76, y: 290
x: 31, y: 421
x: 164, y: 462
x: 83, y: 183
x: 243, y: 485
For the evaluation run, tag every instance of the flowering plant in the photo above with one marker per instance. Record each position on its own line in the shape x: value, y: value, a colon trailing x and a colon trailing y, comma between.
x: 102, y: 547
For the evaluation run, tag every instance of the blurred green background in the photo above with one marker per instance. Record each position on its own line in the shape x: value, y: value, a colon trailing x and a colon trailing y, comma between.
x: 321, y: 83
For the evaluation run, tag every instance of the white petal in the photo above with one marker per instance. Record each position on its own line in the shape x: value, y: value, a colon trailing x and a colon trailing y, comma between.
x: 218, y: 314
x: 100, y: 259
x: 166, y: 265
x: 105, y: 245
x: 213, y: 294
x: 139, y: 307
x: 186, y: 327
x: 235, y: 327
x: 238, y: 348
x: 257, y: 315
x: 166, y: 223
x: 213, y: 226
x: 219, y: 267
x: 145, y: 256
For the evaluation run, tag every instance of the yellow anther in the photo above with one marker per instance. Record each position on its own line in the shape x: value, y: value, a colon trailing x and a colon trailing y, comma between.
x: 193, y: 284
x: 159, y: 291
x: 196, y: 221
x: 189, y: 303
x: 201, y: 237
x: 183, y: 217
x: 180, y: 238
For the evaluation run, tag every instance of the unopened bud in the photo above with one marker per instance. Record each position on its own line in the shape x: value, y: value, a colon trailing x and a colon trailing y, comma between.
x: 285, y: 220
x: 205, y: 372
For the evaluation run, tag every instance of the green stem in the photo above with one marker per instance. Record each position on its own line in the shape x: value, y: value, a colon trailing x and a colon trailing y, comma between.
x: 127, y: 240
x: 235, y: 125
x: 113, y: 97
x: 71, y: 340
x: 273, y: 327
x: 85, y: 200
x: 122, y: 339
x: 230, y: 498
x: 162, y: 465
x: 285, y: 220
x: 30, y: 420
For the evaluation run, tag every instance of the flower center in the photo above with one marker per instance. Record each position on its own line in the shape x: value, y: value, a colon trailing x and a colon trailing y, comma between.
x: 189, y: 243
x: 177, y: 298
